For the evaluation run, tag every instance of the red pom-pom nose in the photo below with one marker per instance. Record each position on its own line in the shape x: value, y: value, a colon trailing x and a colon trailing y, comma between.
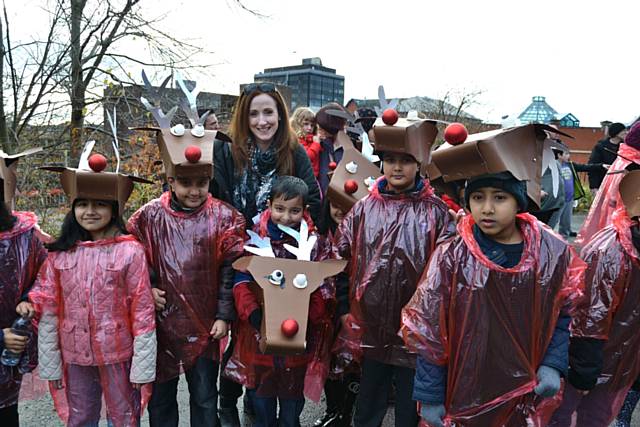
x: 350, y: 186
x: 390, y: 116
x: 97, y: 162
x: 455, y: 133
x: 192, y: 153
x: 289, y: 328
x: 333, y: 166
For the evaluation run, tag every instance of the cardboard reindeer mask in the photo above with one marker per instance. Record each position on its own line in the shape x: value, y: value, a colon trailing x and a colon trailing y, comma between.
x: 287, y: 285
x: 8, y: 178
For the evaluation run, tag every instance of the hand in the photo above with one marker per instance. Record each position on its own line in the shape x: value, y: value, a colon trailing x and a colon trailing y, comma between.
x: 548, y: 381
x: 219, y: 329
x: 25, y: 309
x: 56, y: 384
x: 14, y: 343
x: 606, y: 167
x: 433, y: 414
x: 543, y: 194
x: 158, y: 298
x: 456, y: 216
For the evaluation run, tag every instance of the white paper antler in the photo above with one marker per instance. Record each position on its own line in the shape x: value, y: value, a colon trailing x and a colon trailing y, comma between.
x: 190, y: 107
x: 261, y: 245
x: 163, y: 120
x: 114, y: 140
x: 305, y: 242
x: 83, y: 164
x: 367, y: 149
x: 383, y: 102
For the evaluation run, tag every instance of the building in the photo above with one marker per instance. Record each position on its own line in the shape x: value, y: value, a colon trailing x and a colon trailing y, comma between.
x: 312, y: 84
x: 541, y: 112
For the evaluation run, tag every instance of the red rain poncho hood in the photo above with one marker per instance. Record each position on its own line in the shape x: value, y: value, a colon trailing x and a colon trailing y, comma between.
x: 607, y: 200
x: 491, y: 326
x: 186, y: 252
x: 21, y: 253
x: 610, y: 309
x: 389, y: 239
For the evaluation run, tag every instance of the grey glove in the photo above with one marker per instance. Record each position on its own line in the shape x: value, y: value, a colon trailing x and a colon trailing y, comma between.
x: 433, y: 414
x: 548, y: 381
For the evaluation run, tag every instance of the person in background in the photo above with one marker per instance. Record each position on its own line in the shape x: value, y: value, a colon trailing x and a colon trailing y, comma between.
x: 351, y: 106
x: 303, y: 123
x: 604, y: 153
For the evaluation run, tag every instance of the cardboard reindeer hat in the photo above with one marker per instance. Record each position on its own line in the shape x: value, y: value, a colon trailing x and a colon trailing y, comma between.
x: 520, y: 150
x: 287, y: 285
x: 629, y: 189
x: 184, y: 152
x: 8, y: 178
x: 90, y: 181
x: 411, y: 135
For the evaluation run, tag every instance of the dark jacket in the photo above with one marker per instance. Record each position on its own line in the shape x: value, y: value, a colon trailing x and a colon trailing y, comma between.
x: 225, y: 178
x: 601, y: 156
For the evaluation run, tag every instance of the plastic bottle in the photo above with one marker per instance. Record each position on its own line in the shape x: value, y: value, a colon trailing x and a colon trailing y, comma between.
x: 21, y: 326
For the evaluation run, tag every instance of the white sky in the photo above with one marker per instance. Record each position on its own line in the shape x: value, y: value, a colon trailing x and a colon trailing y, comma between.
x: 579, y: 54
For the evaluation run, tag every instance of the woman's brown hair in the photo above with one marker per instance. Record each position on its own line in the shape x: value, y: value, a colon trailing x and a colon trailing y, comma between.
x: 285, y: 142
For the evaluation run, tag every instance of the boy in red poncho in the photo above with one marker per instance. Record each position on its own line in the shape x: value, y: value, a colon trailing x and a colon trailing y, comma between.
x: 275, y: 379
x: 388, y: 238
x: 22, y: 254
x: 191, y: 240
x: 605, y: 336
x: 490, y: 317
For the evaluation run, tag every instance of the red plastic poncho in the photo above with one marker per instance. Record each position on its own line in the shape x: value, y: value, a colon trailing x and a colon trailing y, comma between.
x: 186, y: 251
x: 21, y: 254
x: 96, y: 310
x: 389, y: 239
x: 491, y: 326
x: 607, y: 199
x: 292, y: 375
x: 611, y: 313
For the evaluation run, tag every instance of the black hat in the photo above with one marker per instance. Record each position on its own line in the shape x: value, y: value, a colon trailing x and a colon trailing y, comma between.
x: 615, y: 129
x: 503, y: 181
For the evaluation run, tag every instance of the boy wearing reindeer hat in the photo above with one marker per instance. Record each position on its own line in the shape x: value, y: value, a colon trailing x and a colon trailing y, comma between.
x: 191, y: 239
x: 22, y: 254
x: 389, y: 237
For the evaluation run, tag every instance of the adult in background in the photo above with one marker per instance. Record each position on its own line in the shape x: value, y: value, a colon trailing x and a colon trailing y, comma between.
x: 604, y: 153
x: 351, y: 106
x: 264, y: 147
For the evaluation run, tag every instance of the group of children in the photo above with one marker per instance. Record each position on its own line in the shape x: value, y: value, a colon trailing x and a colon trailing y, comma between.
x: 480, y: 319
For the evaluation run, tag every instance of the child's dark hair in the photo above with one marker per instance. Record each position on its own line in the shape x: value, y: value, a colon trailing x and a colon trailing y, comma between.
x: 290, y: 187
x: 72, y: 232
x: 7, y: 220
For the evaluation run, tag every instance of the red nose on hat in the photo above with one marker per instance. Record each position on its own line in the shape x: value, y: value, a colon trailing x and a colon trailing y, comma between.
x: 350, y: 186
x: 289, y: 328
x: 455, y: 133
x: 333, y: 165
x: 390, y: 117
x: 192, y: 153
x: 97, y: 162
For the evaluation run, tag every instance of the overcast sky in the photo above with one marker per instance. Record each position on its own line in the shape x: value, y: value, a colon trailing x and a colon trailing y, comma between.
x: 578, y: 54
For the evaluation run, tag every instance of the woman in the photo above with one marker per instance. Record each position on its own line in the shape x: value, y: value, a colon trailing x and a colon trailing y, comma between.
x: 264, y: 147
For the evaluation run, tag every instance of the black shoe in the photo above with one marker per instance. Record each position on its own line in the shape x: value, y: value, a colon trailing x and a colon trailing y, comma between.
x: 327, y: 420
x: 229, y: 417
x: 573, y: 234
x: 247, y: 404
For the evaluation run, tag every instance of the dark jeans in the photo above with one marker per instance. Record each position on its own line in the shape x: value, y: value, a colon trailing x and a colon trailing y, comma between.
x: 230, y: 391
x: 372, y: 401
x: 267, y: 415
x: 9, y: 416
x: 203, y: 397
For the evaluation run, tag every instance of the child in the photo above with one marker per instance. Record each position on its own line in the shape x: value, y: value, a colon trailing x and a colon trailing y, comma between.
x: 604, y: 333
x: 22, y: 254
x: 389, y: 237
x: 303, y: 122
x: 278, y: 379
x: 190, y: 240
x: 96, y: 335
x: 489, y: 319
x: 332, y: 150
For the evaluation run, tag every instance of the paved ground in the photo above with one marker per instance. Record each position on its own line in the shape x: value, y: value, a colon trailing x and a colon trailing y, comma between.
x: 40, y: 413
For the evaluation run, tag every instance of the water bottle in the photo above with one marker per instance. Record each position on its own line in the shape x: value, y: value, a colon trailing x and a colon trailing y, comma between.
x: 22, y: 327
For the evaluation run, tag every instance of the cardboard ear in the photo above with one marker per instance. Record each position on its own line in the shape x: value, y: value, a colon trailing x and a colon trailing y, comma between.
x: 629, y: 189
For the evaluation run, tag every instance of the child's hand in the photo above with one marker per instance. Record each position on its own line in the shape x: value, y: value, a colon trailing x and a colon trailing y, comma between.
x: 25, y: 309
x: 56, y: 384
x: 219, y: 329
x: 158, y: 298
x: 14, y: 343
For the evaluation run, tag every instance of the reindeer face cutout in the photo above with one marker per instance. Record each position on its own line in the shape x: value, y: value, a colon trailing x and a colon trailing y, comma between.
x: 287, y: 285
